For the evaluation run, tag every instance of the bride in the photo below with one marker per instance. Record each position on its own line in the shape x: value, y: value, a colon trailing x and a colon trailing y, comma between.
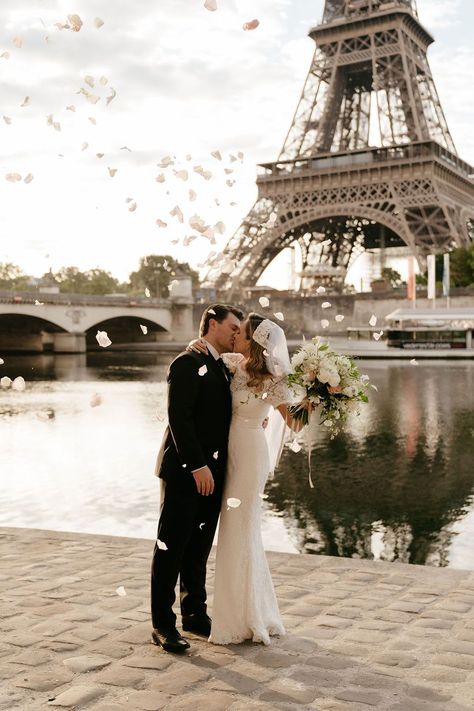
x: 245, y: 605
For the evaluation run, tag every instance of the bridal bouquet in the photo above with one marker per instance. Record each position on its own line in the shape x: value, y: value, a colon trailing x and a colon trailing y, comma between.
x: 328, y: 380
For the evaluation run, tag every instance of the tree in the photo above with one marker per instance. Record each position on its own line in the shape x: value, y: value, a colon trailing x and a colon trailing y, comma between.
x: 393, y: 277
x: 155, y: 272
x: 93, y: 281
x: 12, y: 277
x: 462, y: 266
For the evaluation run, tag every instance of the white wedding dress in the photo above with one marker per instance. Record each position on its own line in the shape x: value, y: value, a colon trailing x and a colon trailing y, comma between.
x: 245, y: 605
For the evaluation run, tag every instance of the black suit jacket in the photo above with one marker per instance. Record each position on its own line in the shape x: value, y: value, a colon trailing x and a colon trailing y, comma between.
x: 199, y: 414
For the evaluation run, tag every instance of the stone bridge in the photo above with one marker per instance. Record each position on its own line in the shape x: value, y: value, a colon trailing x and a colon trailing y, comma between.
x: 68, y: 323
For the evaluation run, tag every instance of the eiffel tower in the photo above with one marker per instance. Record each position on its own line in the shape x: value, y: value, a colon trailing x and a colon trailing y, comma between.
x: 368, y: 162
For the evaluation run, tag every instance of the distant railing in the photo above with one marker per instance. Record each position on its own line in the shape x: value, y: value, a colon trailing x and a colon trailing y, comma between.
x: 410, y: 151
x: 344, y: 10
x: 29, y: 297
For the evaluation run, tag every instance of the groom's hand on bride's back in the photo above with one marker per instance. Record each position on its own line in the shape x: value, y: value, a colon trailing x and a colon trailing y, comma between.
x: 204, y: 481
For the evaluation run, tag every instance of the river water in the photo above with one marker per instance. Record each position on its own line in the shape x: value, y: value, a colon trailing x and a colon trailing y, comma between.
x: 397, y: 486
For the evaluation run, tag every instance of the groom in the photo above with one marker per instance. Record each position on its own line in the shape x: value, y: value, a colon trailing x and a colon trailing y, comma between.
x: 192, y: 465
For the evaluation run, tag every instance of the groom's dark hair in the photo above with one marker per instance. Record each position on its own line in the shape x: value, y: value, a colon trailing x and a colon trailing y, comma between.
x: 218, y: 312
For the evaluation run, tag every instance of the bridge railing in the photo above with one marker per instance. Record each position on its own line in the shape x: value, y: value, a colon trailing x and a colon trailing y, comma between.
x: 32, y: 297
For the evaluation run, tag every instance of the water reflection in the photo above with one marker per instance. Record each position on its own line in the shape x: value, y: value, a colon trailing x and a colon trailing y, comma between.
x: 397, y: 486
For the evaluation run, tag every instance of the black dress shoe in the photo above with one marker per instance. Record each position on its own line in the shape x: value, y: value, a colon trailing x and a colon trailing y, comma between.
x: 169, y: 639
x: 199, y: 624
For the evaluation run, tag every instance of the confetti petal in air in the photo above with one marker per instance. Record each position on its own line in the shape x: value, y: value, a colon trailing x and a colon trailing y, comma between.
x: 232, y: 158
x: 75, y: 22
x: 84, y: 146
x: 263, y: 496
x: 219, y: 227
x: 181, y: 174
x: 230, y: 183
x: 216, y: 154
x: 233, y: 503
x: 18, y: 42
x: 160, y: 178
x: 5, y: 382
x: 202, y: 370
x: 147, y: 293
x: 413, y: 361
x: 295, y: 446
x: 25, y: 102
x: 240, y: 155
x: 95, y: 400
x: 7, y: 120
x: 324, y: 323
x: 121, y: 591
x: 112, y: 171
x: 176, y: 212
x: 377, y: 336
x: 373, y: 320
x: 160, y: 223
x: 104, y: 81
x: 161, y: 545
x: 13, y: 177
x: 27, y: 180
x: 192, y: 196
x: 211, y: 5
x: 339, y: 318
x: 92, y: 120
x: 144, y: 329
x: 98, y: 22
x: 19, y: 384
x: 89, y: 80
x: 111, y: 97
x: 102, y: 339
x: 252, y: 25
x: 71, y: 107
x: 2, y: 361
x: 201, y: 525
x: 320, y: 290
x: 279, y: 316
x: 326, y: 305
x: 211, y: 311
x: 166, y: 161
x: 132, y: 206
x: 5, y: 55
x: 216, y: 455
x: 264, y: 302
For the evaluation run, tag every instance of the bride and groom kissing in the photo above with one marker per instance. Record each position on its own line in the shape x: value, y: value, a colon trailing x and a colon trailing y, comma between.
x: 228, y: 402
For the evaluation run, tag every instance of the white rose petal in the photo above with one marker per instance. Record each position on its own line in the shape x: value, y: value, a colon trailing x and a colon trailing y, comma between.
x: 75, y: 22
x: 211, y: 311
x: 5, y: 382
x: 103, y: 339
x: 339, y: 318
x: 216, y: 154
x: 112, y: 171
x: 2, y: 361
x: 414, y: 361
x: 216, y: 455
x: 373, y: 320
x: 28, y: 178
x: 144, y: 329
x: 192, y: 195
x: 320, y: 290
x: 95, y: 400
x: 19, y: 384
x: 263, y: 496
x: 121, y: 591
x: 377, y: 336
x: 18, y: 42
x: 202, y: 370
x: 233, y: 503
x: 264, y: 302
x: 326, y: 305
x: 161, y: 545
x: 211, y: 5
x: 176, y: 212
x: 252, y: 25
x: 295, y: 446
x: 98, y: 22
x: 279, y: 316
x: 324, y: 323
x: 147, y: 293
x: 13, y: 177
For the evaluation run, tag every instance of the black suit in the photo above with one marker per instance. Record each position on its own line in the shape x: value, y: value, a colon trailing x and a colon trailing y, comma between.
x: 199, y: 414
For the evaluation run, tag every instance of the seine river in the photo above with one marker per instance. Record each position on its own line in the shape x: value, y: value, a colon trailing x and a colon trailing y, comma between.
x: 398, y: 486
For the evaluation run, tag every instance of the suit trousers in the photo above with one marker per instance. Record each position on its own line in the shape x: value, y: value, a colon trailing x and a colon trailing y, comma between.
x: 187, y: 526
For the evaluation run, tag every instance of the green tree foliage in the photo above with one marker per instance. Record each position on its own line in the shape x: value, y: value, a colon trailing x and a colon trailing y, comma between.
x: 12, y: 277
x: 462, y: 266
x: 155, y: 272
x: 93, y: 281
x: 393, y: 277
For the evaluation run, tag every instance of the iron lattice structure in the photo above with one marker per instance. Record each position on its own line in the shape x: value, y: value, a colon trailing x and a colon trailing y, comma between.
x: 368, y: 160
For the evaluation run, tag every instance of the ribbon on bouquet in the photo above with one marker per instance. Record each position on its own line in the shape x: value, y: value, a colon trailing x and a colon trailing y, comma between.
x: 308, y: 443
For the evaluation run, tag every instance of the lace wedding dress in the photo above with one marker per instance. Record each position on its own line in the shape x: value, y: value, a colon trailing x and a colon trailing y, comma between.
x: 245, y: 605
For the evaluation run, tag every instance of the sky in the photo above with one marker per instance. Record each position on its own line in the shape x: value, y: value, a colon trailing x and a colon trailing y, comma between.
x: 160, y: 79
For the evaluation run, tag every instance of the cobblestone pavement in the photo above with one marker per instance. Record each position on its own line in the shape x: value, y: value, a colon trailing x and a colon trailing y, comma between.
x: 361, y: 635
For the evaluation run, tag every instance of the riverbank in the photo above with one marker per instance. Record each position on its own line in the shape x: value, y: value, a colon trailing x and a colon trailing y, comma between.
x: 361, y: 635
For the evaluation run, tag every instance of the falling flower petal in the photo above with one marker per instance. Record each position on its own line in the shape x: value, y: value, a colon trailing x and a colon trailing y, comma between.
x: 7, y: 120
x: 232, y: 158
x: 103, y: 339
x: 2, y: 361
x: 13, y: 177
x: 211, y: 5
x: 147, y: 293
x: 71, y: 107
x: 181, y: 174
x: 211, y: 311
x: 216, y: 154
x: 84, y: 146
x: 160, y: 223
x: 240, y: 155
x: 75, y: 21
x: 98, y: 22
x: 92, y: 120
x: 112, y: 171
x: 320, y: 290
x: 160, y: 178
x: 219, y: 227
x: 192, y: 196
x: 233, y: 503
x: 166, y: 161
x: 161, y: 545
x: 324, y: 323
x: 295, y: 446
x: 230, y: 183
x: 373, y: 320
x: 100, y: 155
x: 339, y: 318
x: 202, y: 370
x: 279, y: 316
x: 413, y: 361
x: 144, y: 329
x: 132, y: 207
x: 89, y: 80
x: 95, y: 400
x: 264, y: 396
x: 125, y: 148
x: 5, y: 382
x: 197, y: 223
x: 112, y: 96
x: 201, y: 526
x: 228, y: 171
x: 121, y: 591
x: 216, y: 455
x: 104, y: 81
x: 263, y: 496
x: 27, y: 180
x: 252, y: 25
x: 326, y: 305
x: 19, y: 384
x: 264, y: 302
x: 25, y: 102
x: 377, y: 336
x: 18, y: 42
x: 176, y: 212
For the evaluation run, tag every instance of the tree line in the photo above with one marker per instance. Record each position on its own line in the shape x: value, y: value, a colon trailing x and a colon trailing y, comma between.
x: 155, y: 273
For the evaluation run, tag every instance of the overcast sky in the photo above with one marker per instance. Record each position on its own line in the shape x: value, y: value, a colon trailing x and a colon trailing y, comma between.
x: 187, y: 82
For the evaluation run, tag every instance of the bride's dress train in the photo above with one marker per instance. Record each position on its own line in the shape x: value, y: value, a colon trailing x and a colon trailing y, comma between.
x: 245, y: 605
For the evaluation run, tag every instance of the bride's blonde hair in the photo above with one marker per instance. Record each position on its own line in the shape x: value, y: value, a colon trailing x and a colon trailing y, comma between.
x: 256, y: 365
